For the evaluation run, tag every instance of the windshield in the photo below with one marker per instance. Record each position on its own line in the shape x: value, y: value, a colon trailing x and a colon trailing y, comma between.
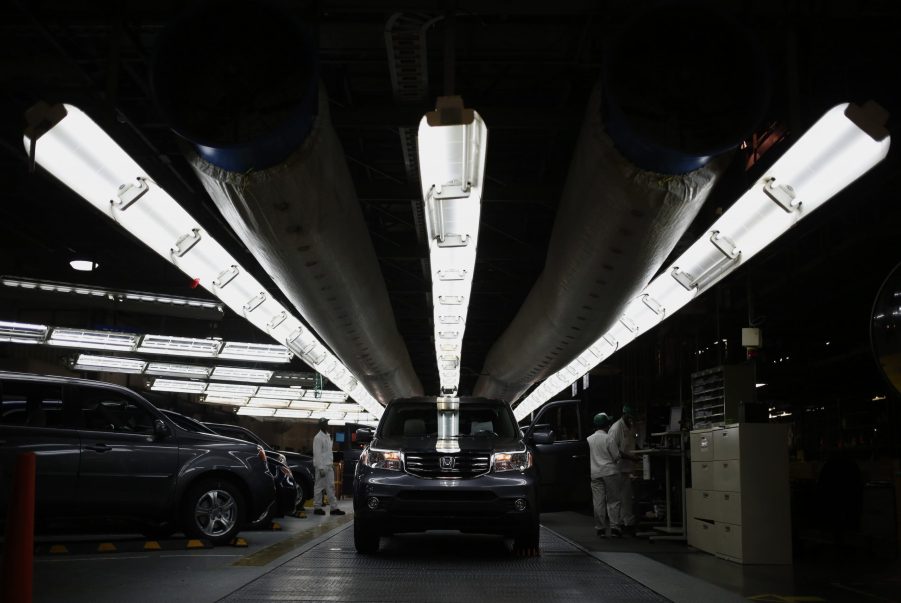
x: 420, y: 419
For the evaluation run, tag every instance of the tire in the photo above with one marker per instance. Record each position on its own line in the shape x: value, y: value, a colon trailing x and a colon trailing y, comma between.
x: 527, y: 538
x: 366, y: 540
x: 304, y: 492
x: 213, y: 509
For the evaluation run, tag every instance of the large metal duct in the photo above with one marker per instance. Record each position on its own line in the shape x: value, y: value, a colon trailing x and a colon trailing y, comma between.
x: 264, y: 149
x: 642, y: 168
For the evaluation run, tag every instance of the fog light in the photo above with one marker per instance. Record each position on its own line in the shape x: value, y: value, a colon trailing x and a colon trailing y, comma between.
x: 520, y: 504
x: 372, y: 503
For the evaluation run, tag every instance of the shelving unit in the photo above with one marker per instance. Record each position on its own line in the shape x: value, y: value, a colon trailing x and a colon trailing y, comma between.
x: 718, y: 394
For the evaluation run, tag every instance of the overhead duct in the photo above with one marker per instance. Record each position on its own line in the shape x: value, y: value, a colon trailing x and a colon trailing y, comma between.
x: 672, y: 100
x: 263, y: 147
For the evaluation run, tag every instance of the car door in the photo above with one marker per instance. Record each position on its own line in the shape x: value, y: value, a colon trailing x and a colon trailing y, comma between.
x: 562, y: 466
x: 125, y: 470
x: 33, y: 419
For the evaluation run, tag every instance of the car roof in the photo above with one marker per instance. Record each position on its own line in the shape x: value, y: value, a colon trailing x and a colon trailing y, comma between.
x: 62, y: 379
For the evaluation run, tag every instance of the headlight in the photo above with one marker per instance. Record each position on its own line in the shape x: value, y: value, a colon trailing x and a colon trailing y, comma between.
x: 512, y: 461
x: 381, y: 459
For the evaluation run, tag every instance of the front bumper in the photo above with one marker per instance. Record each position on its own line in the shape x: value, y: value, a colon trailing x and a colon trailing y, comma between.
x: 406, y: 503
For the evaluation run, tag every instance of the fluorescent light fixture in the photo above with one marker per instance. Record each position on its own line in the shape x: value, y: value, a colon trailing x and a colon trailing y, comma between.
x: 290, y: 413
x: 233, y: 373
x: 258, y: 352
x: 760, y: 385
x: 226, y: 400
x: 294, y: 378
x: 179, y: 346
x: 326, y: 414
x: 84, y: 265
x: 111, y: 294
x: 112, y: 364
x: 286, y: 393
x: 305, y: 405
x: 95, y: 340
x: 169, y: 369
x: 20, y: 332
x: 178, y: 385
x: 69, y: 145
x: 256, y: 412
x: 231, y: 389
x: 268, y: 403
x: 322, y: 395
x: 839, y: 148
x: 346, y: 407
x: 453, y: 142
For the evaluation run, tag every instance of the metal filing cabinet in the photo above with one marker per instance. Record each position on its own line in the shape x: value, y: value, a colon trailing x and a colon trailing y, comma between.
x: 738, y: 507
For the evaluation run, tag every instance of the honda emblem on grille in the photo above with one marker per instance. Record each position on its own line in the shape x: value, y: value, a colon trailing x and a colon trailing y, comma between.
x: 447, y: 462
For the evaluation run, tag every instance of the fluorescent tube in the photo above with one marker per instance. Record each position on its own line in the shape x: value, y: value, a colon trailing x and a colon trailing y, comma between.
x: 839, y: 148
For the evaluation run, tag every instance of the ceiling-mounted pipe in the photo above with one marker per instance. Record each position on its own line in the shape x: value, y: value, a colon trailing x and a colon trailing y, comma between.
x: 263, y: 147
x: 671, y: 102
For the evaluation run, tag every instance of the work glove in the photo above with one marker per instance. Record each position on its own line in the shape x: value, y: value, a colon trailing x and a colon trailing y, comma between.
x: 321, y: 472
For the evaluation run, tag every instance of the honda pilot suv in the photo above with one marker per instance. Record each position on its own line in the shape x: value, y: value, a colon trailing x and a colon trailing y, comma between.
x: 464, y: 469
x: 104, y: 452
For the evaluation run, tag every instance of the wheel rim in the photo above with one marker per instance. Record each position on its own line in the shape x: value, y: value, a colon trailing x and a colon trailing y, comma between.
x: 216, y: 512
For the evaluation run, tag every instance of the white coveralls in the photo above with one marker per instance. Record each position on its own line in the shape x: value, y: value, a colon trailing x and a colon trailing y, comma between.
x: 325, y: 472
x: 605, y: 477
x: 625, y: 442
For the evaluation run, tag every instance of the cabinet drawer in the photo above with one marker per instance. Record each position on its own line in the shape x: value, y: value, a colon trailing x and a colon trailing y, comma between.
x: 701, y: 445
x: 725, y: 443
x: 701, y: 504
x: 702, y: 475
x: 726, y: 476
x: 728, y: 540
x: 727, y: 507
x: 702, y: 535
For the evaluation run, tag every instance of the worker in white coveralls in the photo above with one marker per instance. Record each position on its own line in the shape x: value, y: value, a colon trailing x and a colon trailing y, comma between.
x: 325, y: 473
x: 605, y: 478
x: 623, y: 433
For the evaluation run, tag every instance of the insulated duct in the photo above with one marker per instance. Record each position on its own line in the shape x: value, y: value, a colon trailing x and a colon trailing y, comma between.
x: 265, y: 151
x: 650, y: 152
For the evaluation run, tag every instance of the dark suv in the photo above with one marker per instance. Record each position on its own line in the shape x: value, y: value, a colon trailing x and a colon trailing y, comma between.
x: 300, y: 465
x: 104, y: 452
x: 479, y: 480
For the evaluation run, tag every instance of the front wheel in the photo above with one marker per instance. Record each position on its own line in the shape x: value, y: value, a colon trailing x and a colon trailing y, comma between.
x: 526, y: 540
x: 213, y: 509
x: 366, y: 540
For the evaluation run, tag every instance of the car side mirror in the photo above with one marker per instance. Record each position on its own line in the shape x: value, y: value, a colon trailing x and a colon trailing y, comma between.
x: 160, y: 429
x: 364, y: 435
x: 543, y: 437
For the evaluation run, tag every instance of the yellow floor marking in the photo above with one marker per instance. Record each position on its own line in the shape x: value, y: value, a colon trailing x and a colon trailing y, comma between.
x: 106, y: 547
x: 194, y: 544
x: 264, y: 556
x: 58, y: 548
x: 152, y: 545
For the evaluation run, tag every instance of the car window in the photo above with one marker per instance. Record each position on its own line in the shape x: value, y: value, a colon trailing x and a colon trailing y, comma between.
x: 32, y: 404
x: 109, y: 410
x: 563, y: 420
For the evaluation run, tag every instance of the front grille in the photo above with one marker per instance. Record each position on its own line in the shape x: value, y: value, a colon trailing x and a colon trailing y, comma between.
x: 436, y: 465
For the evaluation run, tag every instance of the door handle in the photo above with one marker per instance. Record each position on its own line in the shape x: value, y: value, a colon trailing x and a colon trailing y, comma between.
x: 100, y: 447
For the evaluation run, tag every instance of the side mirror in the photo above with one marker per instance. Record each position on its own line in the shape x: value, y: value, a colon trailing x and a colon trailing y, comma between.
x: 364, y: 434
x: 160, y: 429
x: 543, y: 437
